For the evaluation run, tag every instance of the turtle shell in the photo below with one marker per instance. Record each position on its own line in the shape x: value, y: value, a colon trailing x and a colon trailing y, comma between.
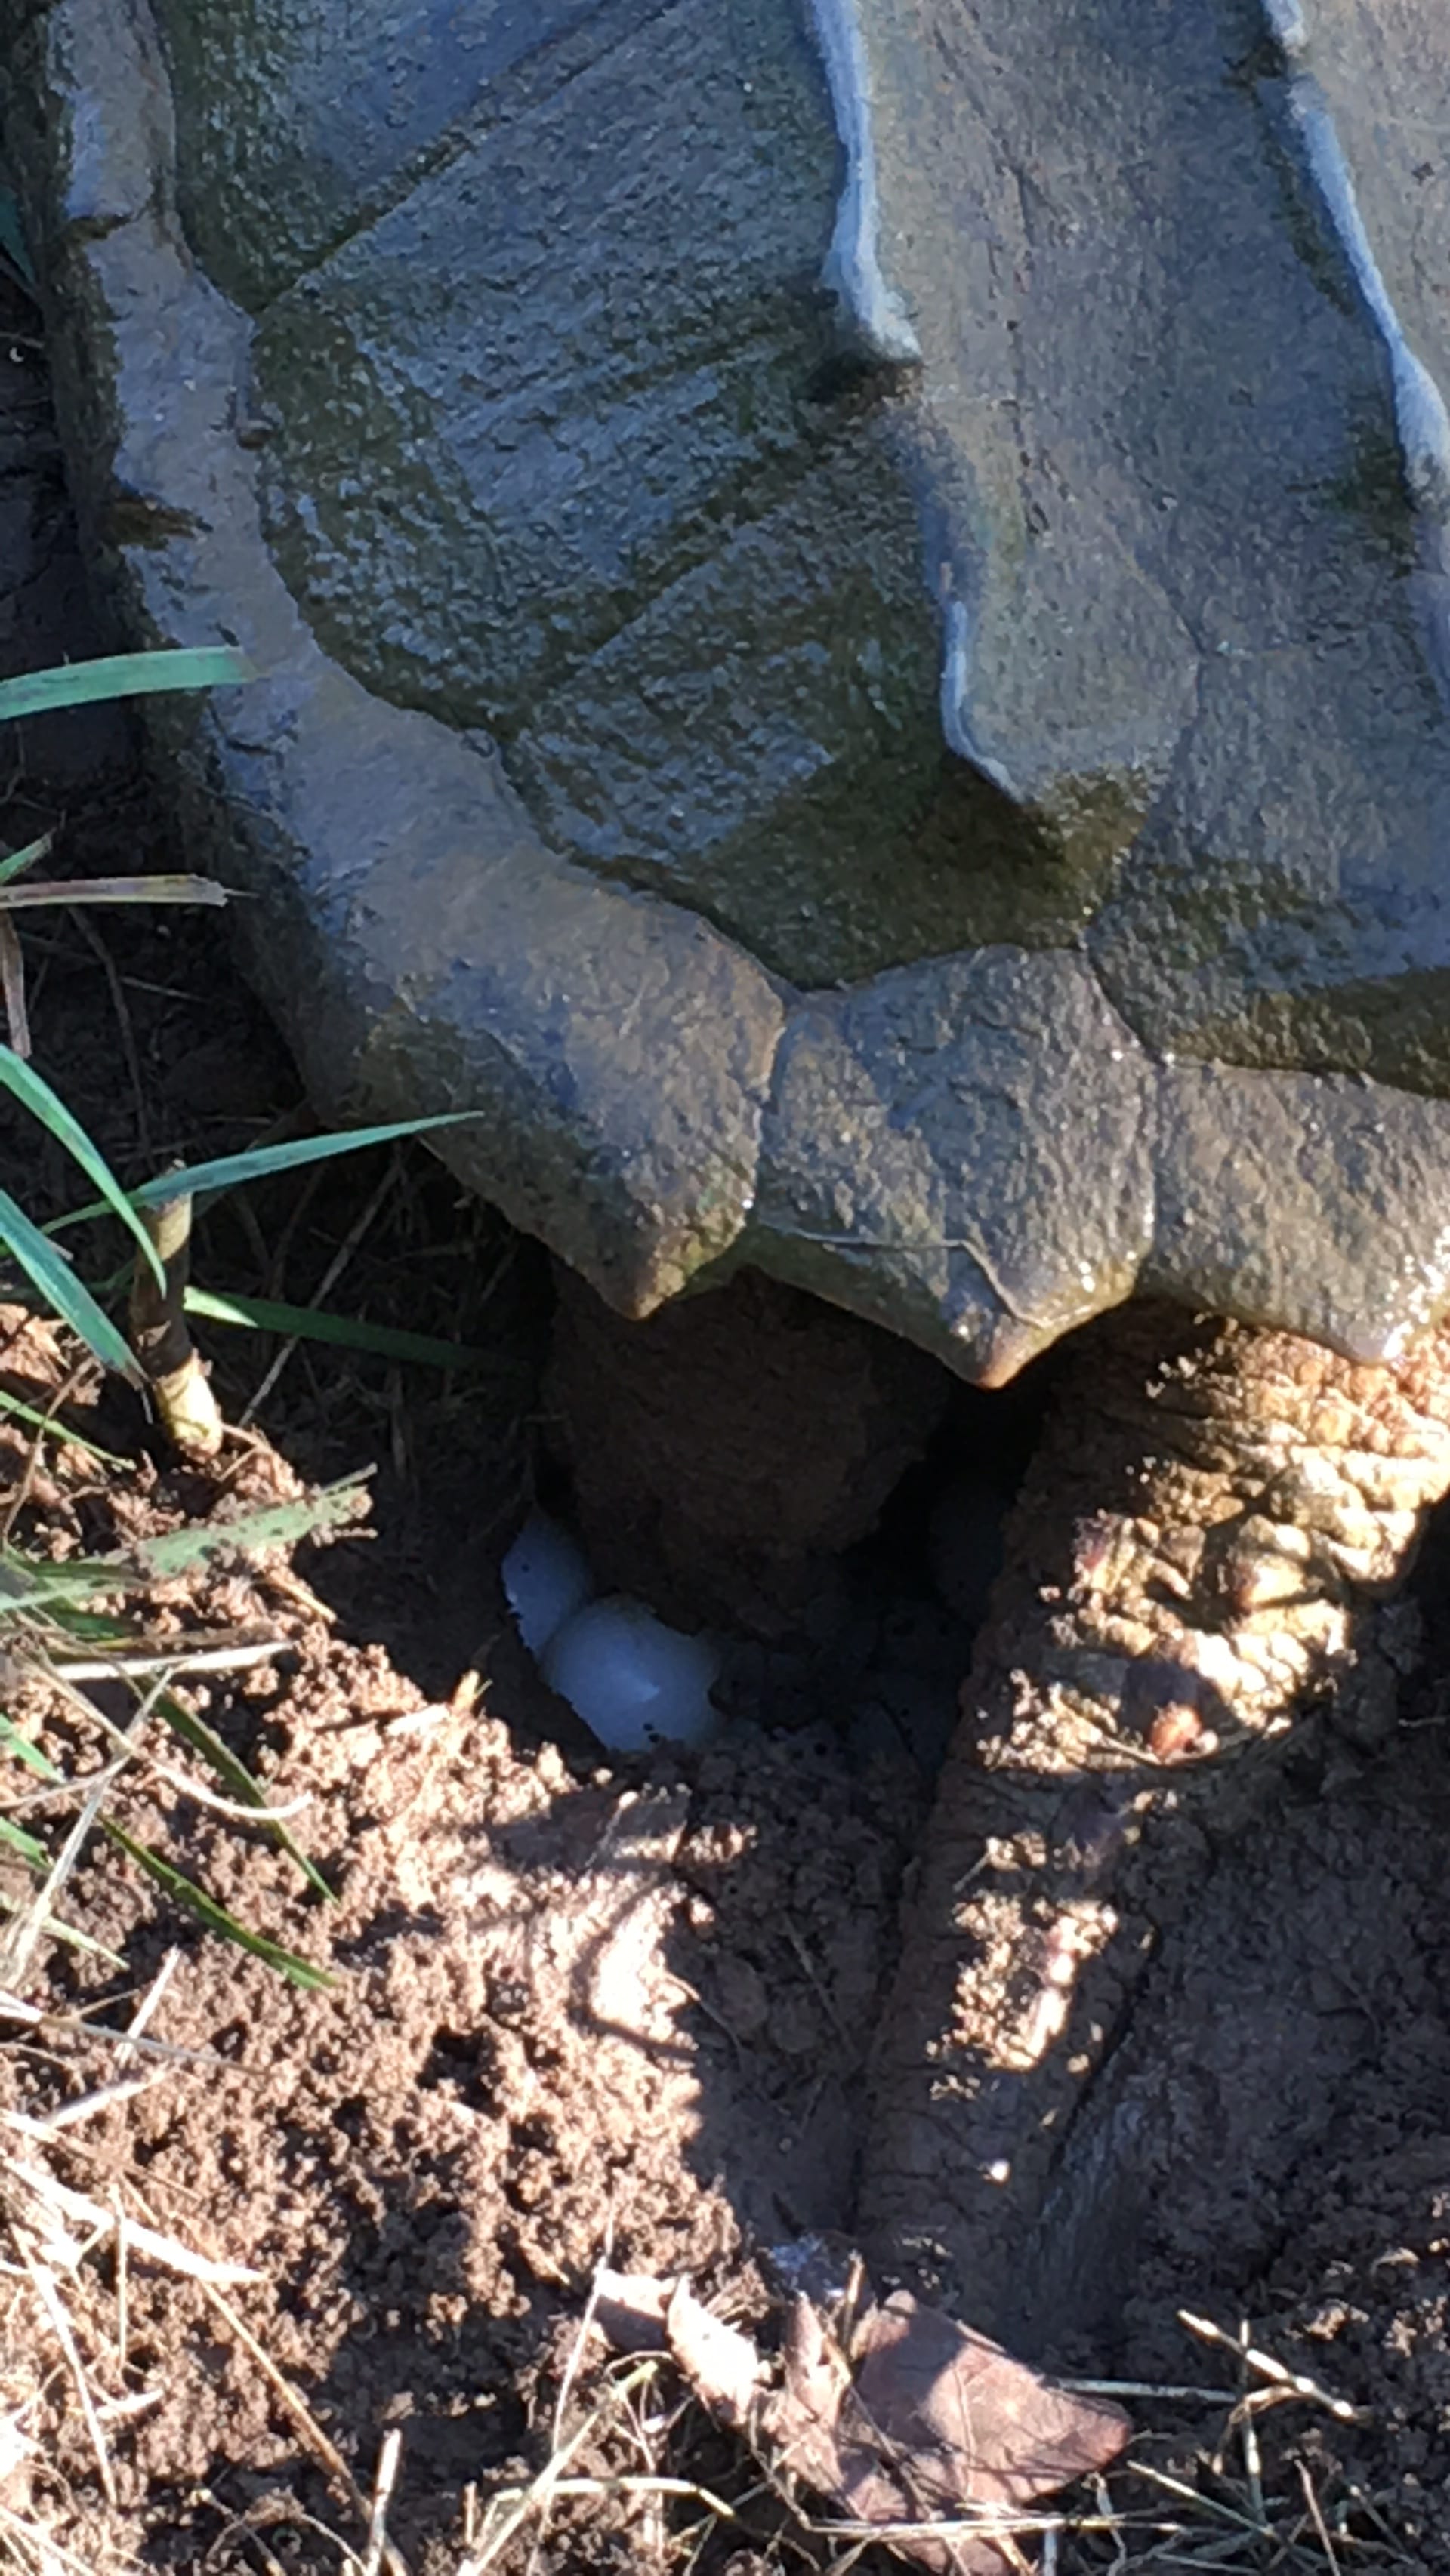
x: 851, y: 605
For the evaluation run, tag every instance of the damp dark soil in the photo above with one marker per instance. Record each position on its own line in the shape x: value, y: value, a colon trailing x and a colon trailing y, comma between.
x: 578, y: 2009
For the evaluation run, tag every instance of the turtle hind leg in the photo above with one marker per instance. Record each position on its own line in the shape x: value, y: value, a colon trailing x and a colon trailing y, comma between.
x: 1198, y: 1597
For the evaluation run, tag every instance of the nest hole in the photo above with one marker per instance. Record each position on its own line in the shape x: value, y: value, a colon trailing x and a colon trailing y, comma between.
x: 821, y: 1502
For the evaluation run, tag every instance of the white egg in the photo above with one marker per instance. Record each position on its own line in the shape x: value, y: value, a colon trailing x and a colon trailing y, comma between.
x: 634, y: 1681
x: 546, y: 1580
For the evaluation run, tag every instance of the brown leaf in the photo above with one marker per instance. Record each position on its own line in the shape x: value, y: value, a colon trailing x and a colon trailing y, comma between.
x: 925, y: 2421
x: 916, y: 2420
x: 973, y: 2422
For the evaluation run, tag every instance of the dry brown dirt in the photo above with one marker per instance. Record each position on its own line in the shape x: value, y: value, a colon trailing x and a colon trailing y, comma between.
x: 572, y: 2012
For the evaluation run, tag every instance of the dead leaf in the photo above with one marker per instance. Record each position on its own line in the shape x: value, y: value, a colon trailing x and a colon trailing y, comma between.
x: 893, y: 2413
x: 639, y: 2314
x: 970, y: 2417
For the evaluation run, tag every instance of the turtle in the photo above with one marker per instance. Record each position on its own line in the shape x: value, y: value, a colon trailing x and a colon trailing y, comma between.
x: 850, y: 600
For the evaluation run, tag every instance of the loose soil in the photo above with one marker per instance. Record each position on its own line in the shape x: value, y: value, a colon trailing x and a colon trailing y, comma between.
x: 578, y: 2009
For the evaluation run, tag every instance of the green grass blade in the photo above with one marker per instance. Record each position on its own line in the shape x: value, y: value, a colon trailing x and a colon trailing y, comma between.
x: 34, y: 1093
x: 60, y: 1592
x: 56, y: 1593
x: 313, y: 1324
x: 57, y: 1929
x: 53, y: 1277
x: 46, y: 1422
x: 12, y: 1741
x: 157, y: 1560
x: 123, y: 675
x: 27, y: 1589
x: 234, y: 1775
x: 19, y: 860
x: 27, y: 1846
x: 266, y: 1161
x: 184, y: 1891
x: 198, y: 1736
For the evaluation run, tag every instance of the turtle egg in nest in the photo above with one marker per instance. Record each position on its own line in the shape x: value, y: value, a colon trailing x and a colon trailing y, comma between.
x: 545, y: 1579
x: 635, y: 1682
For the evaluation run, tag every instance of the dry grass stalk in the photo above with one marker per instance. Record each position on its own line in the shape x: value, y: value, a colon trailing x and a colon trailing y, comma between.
x: 161, y: 1339
x: 515, y: 2506
x: 389, y: 2453
x: 84, y: 2106
x: 1293, y: 2382
x: 55, y: 2025
x: 43, y: 2283
x: 183, y: 1655
x: 58, y: 2202
x: 26, y: 1932
x: 300, y: 2414
x: 356, y: 1235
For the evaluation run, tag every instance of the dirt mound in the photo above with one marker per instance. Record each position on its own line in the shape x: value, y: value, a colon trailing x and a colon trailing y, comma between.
x: 566, y: 2006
